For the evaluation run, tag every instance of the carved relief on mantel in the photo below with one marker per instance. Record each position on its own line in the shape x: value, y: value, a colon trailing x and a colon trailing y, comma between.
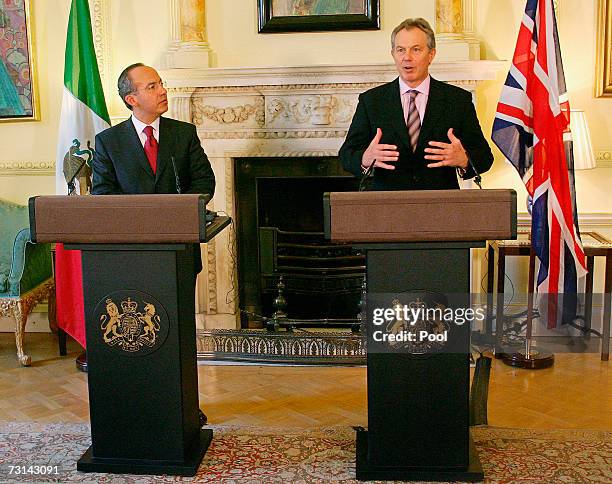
x: 271, y: 135
x: 275, y: 111
x: 313, y: 110
x: 211, y: 264
x: 243, y: 111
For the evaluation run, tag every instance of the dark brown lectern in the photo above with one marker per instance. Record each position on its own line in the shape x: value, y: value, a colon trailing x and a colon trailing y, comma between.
x: 417, y: 246
x: 139, y: 261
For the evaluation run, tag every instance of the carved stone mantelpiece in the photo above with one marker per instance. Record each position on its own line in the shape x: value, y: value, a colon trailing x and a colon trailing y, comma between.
x: 276, y: 112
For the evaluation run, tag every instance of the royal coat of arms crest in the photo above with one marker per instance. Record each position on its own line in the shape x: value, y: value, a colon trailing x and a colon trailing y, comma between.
x: 130, y: 329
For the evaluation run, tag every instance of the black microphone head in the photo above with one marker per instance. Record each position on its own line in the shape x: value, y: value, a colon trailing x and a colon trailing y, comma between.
x: 369, y: 173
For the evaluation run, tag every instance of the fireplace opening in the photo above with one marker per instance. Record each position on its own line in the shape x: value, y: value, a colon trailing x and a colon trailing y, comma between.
x: 279, y: 225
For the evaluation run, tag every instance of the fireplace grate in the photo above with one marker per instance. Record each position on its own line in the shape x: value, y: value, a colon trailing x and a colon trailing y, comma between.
x: 308, y: 263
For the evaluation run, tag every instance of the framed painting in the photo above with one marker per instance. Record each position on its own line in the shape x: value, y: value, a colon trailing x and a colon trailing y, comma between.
x: 603, y: 78
x: 317, y: 15
x: 18, y: 90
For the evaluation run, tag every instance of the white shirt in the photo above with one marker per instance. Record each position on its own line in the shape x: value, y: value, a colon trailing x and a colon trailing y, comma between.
x: 421, y: 99
x: 140, y: 126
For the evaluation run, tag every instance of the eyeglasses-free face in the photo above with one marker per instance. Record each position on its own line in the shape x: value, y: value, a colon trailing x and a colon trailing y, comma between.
x: 412, y: 56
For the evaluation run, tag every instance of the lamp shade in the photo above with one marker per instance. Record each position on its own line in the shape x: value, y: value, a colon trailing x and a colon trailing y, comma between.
x: 584, y: 158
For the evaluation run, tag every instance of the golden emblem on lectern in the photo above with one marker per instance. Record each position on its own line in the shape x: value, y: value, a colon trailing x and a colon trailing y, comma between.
x: 130, y: 330
x: 419, y: 326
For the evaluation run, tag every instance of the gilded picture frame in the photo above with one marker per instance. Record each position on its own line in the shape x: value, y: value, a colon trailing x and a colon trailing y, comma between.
x: 603, y: 78
x: 276, y: 16
x: 18, y: 81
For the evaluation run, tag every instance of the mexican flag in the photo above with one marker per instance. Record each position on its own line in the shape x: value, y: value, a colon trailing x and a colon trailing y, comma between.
x: 83, y: 115
x: 84, y: 111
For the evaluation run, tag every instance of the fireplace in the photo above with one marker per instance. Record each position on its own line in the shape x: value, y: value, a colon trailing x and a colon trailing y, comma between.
x: 279, y: 232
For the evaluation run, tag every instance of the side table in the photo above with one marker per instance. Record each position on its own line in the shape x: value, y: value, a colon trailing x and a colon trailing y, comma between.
x: 594, y: 245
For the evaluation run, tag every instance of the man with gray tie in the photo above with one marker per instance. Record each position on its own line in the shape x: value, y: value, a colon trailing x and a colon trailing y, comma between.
x: 415, y: 133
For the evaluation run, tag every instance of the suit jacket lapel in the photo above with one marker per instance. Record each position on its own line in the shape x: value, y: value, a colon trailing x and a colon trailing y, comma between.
x: 135, y: 148
x: 396, y: 113
x: 165, y: 147
x: 435, y: 108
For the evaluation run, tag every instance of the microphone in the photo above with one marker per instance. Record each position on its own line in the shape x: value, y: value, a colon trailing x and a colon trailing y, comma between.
x: 369, y: 173
x: 210, y: 216
x: 477, y: 178
x: 176, y: 177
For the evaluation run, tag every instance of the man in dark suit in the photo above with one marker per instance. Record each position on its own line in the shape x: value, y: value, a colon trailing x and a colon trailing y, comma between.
x: 147, y: 153
x: 124, y: 162
x: 140, y: 155
x: 417, y: 131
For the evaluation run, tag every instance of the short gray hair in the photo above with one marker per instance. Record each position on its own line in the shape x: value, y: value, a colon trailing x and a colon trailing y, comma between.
x: 124, y: 83
x: 416, y: 23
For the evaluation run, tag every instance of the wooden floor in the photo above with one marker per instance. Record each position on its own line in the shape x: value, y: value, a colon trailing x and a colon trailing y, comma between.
x: 575, y: 393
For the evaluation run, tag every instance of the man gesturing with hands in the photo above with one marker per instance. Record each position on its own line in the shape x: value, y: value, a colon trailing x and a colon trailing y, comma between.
x: 419, y: 133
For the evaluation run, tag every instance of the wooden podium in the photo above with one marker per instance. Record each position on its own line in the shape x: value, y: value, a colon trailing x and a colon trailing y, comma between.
x: 417, y: 246
x: 139, y: 261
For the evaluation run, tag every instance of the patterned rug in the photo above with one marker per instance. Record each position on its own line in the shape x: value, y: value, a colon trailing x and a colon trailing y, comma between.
x: 253, y: 455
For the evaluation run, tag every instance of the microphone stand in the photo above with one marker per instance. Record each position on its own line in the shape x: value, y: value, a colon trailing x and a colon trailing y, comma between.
x: 176, y: 177
x: 210, y: 215
x: 366, y: 175
x: 477, y: 178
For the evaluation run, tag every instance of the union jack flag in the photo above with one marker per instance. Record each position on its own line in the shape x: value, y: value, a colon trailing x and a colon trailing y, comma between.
x: 531, y: 128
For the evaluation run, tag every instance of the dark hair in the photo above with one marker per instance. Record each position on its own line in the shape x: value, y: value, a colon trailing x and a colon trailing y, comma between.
x: 124, y: 83
x: 415, y: 23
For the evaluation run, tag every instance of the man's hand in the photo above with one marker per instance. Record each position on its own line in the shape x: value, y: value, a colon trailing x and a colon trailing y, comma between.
x: 379, y: 153
x: 447, y: 154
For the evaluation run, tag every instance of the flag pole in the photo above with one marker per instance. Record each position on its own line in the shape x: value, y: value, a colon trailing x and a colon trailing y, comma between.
x: 83, y: 115
x: 530, y: 358
x: 531, y: 128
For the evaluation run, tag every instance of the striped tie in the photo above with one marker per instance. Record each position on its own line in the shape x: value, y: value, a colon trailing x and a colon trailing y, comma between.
x: 413, y: 122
